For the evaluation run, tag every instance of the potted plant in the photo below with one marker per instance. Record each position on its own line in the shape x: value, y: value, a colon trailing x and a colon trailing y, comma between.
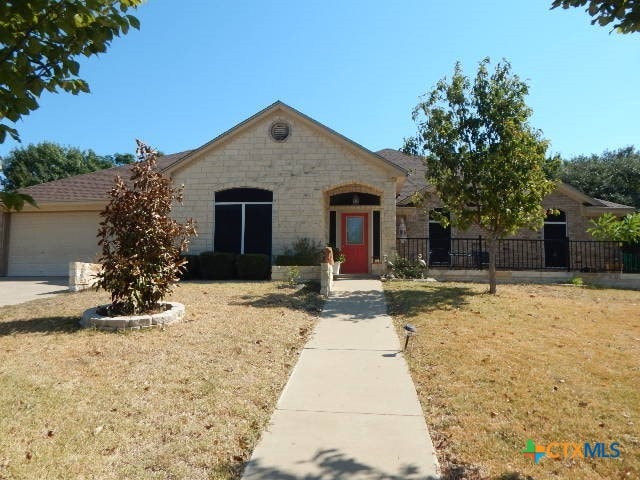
x: 338, y: 259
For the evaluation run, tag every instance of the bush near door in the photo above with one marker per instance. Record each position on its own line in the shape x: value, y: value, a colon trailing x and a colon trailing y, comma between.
x: 217, y: 266
x: 227, y: 266
x: 253, y: 266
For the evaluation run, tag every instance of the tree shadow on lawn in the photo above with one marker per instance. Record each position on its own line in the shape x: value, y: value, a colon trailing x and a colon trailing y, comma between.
x: 413, y: 301
x: 305, y: 299
x: 66, y: 324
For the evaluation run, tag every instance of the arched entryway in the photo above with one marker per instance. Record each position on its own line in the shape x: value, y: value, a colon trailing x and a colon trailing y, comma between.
x: 354, y: 226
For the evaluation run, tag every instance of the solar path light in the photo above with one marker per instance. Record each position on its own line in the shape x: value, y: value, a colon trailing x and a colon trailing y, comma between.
x: 409, y: 331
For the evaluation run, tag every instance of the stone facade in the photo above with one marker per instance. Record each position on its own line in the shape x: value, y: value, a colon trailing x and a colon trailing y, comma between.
x: 83, y: 275
x: 302, y: 172
x: 467, y: 247
x: 307, y: 273
x: 417, y: 220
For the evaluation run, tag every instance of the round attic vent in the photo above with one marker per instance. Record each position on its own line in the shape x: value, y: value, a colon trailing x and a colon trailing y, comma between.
x: 280, y: 131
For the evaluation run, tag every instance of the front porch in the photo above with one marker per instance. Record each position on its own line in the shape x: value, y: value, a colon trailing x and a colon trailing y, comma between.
x: 551, y: 255
x: 359, y: 226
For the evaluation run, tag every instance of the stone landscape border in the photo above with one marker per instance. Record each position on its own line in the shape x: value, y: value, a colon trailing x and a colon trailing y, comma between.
x: 92, y: 319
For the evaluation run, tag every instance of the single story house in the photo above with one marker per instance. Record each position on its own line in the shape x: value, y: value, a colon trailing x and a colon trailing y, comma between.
x: 275, y: 177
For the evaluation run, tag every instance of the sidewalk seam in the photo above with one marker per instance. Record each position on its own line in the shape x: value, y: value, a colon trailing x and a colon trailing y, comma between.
x: 350, y: 413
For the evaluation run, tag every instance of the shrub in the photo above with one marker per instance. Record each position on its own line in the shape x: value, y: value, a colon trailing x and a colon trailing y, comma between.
x: 577, y: 281
x: 293, y: 276
x: 141, y: 243
x: 338, y: 255
x: 192, y: 267
x: 303, y: 251
x: 217, y: 265
x: 253, y: 266
x: 404, y: 268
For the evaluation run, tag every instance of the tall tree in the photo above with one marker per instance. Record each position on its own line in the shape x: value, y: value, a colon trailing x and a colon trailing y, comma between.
x: 41, y: 42
x: 47, y: 161
x: 613, y: 175
x: 487, y: 164
x: 625, y: 13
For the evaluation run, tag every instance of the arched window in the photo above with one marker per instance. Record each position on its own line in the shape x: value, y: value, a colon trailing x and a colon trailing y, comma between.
x: 354, y: 198
x: 243, y: 221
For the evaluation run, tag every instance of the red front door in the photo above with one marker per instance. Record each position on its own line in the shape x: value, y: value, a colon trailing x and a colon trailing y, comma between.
x: 355, y: 243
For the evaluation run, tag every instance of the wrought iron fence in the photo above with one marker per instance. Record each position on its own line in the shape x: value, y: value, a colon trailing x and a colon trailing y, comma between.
x: 522, y: 254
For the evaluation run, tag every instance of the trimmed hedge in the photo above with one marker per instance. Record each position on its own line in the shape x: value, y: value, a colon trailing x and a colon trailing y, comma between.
x: 253, y: 266
x: 217, y: 265
x: 192, y: 268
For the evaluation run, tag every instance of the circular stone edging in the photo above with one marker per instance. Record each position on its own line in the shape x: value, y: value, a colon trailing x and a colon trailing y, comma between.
x: 92, y: 319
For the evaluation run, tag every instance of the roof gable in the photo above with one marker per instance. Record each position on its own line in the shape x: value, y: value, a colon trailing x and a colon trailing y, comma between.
x: 279, y: 106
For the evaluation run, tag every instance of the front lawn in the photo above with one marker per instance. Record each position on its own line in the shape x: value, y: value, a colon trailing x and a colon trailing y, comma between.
x: 187, y: 401
x: 546, y: 363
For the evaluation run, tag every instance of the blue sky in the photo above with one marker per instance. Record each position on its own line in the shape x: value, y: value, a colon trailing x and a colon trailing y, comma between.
x: 198, y: 67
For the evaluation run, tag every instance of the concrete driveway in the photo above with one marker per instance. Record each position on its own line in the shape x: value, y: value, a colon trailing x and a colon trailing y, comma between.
x: 14, y: 290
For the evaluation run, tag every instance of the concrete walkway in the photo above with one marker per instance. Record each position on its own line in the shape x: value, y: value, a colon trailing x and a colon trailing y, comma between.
x: 14, y: 290
x: 350, y: 409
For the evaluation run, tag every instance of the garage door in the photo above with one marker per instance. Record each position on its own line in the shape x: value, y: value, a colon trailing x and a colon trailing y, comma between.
x: 43, y: 244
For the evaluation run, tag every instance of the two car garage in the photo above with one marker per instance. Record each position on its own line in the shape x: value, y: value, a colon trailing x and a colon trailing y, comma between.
x: 43, y: 243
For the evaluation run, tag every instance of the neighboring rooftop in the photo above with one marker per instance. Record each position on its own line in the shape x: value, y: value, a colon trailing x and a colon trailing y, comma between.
x: 413, y: 165
x: 91, y: 186
x: 609, y: 204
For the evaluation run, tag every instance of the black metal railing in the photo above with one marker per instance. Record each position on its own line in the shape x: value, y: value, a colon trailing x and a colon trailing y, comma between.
x: 522, y: 254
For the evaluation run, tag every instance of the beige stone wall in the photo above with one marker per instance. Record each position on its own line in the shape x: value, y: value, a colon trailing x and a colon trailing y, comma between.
x: 299, y: 171
x: 307, y: 272
x: 83, y: 275
x: 577, y: 222
x: 584, y: 256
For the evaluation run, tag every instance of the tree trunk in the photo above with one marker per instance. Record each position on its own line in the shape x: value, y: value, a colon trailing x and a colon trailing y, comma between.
x: 491, y: 245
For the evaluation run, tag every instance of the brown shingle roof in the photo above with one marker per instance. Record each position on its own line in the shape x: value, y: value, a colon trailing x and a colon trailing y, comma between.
x: 415, y: 180
x: 89, y: 187
x: 607, y: 203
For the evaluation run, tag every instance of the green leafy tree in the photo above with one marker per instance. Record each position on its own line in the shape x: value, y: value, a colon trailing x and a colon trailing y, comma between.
x: 41, y: 42
x: 612, y: 175
x: 14, y: 201
x: 47, y: 161
x: 624, y: 14
x: 141, y: 243
x: 487, y: 164
x: 609, y: 227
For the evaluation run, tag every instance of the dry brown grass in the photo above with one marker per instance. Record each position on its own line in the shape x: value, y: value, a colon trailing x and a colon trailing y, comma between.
x: 188, y: 401
x: 549, y: 363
